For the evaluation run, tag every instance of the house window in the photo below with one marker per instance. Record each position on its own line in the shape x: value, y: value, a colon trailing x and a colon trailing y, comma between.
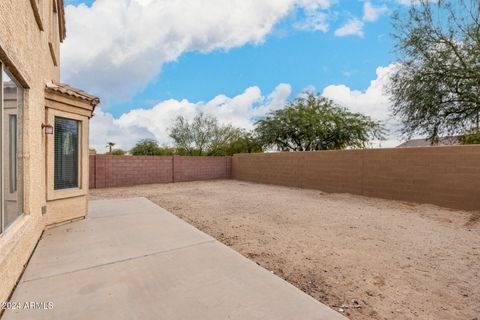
x: 66, y: 149
x: 11, y: 101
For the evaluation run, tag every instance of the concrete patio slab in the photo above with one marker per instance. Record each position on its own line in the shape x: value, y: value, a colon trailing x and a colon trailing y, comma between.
x: 114, y: 231
x: 133, y: 260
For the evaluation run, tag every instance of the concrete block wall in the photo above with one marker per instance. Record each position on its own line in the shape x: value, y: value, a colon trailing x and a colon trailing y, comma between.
x: 119, y: 171
x: 201, y: 168
x: 444, y: 176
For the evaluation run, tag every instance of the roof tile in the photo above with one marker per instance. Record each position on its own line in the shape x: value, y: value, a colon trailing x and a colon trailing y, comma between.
x: 65, y: 89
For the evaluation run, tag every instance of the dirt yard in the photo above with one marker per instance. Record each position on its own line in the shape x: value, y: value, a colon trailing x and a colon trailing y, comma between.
x: 367, y: 258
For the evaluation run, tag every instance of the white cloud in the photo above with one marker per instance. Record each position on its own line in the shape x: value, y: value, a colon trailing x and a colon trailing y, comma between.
x: 354, y: 27
x: 408, y: 2
x: 240, y: 111
x: 373, y: 101
x: 315, y: 5
x: 372, y: 13
x: 104, y: 128
x: 115, y: 47
x: 315, y: 17
x: 316, y: 21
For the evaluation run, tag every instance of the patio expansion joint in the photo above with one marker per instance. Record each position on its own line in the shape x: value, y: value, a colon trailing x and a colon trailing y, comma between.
x: 121, y: 261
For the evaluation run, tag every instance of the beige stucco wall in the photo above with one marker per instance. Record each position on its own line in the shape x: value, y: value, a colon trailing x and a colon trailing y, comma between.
x: 25, y: 52
x: 64, y: 210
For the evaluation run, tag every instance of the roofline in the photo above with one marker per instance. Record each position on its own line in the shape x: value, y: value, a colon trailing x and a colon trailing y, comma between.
x: 67, y: 90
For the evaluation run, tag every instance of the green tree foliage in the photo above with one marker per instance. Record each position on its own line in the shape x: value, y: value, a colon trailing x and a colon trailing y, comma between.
x: 244, y: 142
x: 436, y: 87
x: 471, y: 137
x: 117, y: 152
x: 193, y: 138
x: 312, y: 123
x: 205, y: 136
x: 238, y: 141
x: 150, y: 147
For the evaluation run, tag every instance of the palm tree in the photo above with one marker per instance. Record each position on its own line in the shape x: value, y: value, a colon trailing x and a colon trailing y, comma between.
x: 110, y: 146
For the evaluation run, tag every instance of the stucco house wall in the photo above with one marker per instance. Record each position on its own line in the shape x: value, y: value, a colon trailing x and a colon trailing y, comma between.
x: 32, y: 55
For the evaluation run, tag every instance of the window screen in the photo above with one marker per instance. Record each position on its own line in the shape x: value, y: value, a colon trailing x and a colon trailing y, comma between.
x: 66, y: 153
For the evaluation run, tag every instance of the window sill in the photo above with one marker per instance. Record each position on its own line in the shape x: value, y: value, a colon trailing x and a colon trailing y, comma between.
x: 66, y: 193
x: 9, y: 233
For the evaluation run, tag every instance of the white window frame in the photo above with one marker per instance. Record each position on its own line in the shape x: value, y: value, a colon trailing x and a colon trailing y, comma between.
x: 2, y: 205
x: 20, y: 180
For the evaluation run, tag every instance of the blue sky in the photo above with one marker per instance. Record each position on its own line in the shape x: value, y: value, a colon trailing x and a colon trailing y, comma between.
x: 302, y: 59
x: 303, y: 48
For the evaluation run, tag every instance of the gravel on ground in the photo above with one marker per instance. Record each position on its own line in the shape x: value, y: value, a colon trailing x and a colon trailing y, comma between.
x: 368, y: 258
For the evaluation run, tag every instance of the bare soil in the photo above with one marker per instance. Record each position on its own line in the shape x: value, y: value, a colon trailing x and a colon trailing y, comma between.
x: 368, y: 258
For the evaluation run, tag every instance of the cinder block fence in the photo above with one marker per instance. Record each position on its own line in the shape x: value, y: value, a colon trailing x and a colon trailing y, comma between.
x: 120, y: 171
x: 445, y: 176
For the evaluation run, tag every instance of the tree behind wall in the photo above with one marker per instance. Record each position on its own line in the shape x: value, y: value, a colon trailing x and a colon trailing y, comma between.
x: 110, y: 146
x: 313, y: 123
x: 205, y: 136
x: 150, y: 147
x: 471, y: 137
x: 118, y: 152
x: 436, y: 87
